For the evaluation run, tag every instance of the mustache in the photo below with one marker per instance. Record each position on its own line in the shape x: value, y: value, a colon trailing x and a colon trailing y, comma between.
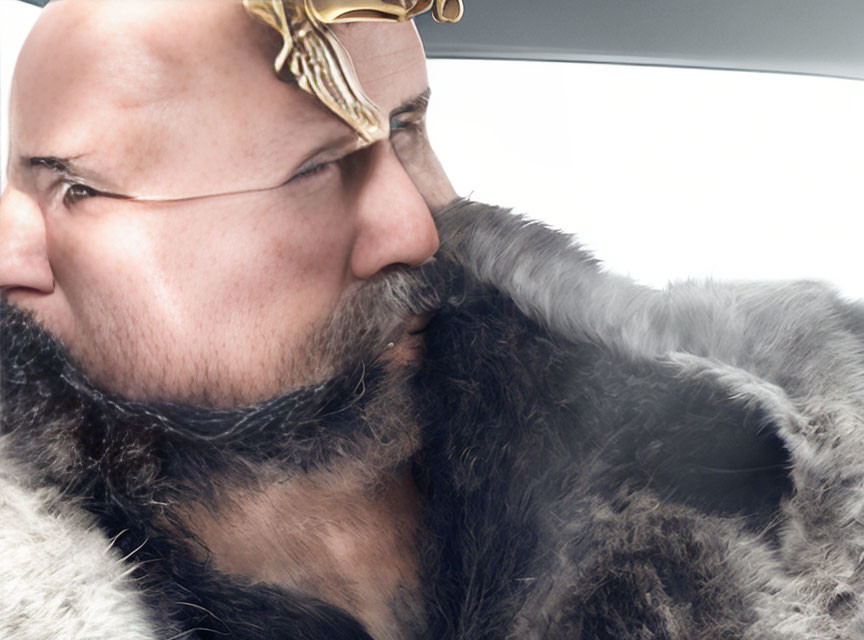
x: 38, y: 377
x: 373, y: 317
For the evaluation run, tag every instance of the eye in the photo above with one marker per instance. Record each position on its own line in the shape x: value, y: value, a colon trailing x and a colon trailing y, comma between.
x: 75, y: 192
x: 408, y: 138
x: 406, y: 122
x: 312, y: 171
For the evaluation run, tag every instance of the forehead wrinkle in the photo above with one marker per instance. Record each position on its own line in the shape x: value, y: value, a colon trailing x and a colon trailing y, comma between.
x: 158, y: 84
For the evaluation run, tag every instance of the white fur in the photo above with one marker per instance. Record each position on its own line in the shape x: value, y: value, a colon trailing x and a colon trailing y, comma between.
x: 59, y: 577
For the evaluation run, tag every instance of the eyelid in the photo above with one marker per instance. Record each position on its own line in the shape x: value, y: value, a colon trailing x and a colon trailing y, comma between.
x: 67, y: 197
x: 404, y: 125
x: 59, y: 169
x: 63, y: 177
x: 75, y: 182
x: 333, y: 151
x: 407, y: 120
x: 307, y: 169
x: 321, y: 160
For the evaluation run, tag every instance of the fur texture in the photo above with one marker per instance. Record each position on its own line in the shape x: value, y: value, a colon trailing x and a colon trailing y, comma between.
x: 793, y: 349
x: 597, y: 460
x: 60, y: 577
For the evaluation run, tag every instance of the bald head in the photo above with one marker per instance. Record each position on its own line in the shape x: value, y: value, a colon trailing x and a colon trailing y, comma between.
x: 173, y: 73
x: 150, y: 47
x: 215, y: 297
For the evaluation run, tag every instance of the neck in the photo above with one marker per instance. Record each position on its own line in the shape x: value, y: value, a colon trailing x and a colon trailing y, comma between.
x: 342, y: 536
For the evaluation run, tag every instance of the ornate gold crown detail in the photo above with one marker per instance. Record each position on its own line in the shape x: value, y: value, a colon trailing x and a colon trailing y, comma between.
x: 320, y: 64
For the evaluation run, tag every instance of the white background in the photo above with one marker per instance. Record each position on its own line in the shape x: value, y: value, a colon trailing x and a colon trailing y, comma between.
x: 665, y: 173
x: 15, y: 21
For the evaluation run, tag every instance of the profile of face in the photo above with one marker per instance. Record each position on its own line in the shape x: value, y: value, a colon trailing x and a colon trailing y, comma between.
x: 211, y: 286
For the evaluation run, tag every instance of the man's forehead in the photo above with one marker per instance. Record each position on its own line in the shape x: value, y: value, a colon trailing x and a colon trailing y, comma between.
x: 143, y: 45
x: 159, y: 66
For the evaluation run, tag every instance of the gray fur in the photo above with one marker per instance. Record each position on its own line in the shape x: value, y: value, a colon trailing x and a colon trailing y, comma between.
x: 60, y: 578
x: 794, y: 348
x: 567, y: 459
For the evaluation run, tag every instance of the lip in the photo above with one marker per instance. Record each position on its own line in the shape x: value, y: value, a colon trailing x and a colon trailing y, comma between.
x: 411, y: 345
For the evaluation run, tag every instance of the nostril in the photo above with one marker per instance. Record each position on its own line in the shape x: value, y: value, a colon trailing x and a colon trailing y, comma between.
x: 26, y: 273
x: 21, y: 295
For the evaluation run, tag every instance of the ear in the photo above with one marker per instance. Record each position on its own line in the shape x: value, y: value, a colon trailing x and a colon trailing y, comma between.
x: 710, y: 436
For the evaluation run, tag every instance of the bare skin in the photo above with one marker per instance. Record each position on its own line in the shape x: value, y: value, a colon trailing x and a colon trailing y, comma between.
x: 350, y: 542
x: 209, y: 300
x: 212, y: 299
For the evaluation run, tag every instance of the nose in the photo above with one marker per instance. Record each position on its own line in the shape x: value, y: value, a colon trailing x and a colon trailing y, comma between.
x: 394, y: 224
x: 23, y: 244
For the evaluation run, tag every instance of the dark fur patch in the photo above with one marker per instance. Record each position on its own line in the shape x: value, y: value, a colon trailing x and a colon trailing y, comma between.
x: 541, y: 448
x: 574, y: 487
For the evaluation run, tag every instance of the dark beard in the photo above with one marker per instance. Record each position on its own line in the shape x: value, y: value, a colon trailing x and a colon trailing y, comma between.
x: 137, y: 464
x: 44, y: 391
x: 568, y: 486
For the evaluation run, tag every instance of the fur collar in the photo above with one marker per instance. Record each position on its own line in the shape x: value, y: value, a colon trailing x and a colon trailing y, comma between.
x: 599, y: 460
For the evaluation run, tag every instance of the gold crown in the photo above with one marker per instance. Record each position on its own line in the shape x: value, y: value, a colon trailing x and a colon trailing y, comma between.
x: 330, y: 11
x: 320, y: 64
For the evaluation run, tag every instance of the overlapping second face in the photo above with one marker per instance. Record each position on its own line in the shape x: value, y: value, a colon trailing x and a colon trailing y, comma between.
x: 185, y: 222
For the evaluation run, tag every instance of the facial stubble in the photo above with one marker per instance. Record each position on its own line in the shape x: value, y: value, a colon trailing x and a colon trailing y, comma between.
x: 124, y: 350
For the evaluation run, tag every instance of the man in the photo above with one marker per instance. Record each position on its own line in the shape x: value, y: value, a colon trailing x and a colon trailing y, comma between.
x: 222, y: 296
x: 154, y: 127
x: 240, y: 277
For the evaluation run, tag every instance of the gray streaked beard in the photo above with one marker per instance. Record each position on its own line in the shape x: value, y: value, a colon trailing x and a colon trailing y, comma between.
x: 371, y: 318
x: 139, y: 466
x: 82, y: 437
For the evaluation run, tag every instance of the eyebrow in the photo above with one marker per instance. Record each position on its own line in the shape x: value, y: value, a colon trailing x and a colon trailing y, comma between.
x: 68, y: 169
x: 420, y: 102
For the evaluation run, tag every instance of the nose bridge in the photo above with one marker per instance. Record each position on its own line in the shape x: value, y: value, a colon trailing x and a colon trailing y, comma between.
x: 23, y: 244
x: 394, y: 224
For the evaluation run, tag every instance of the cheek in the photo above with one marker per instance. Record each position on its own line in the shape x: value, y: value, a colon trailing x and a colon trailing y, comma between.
x: 202, y: 273
x: 107, y: 275
x: 289, y: 265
